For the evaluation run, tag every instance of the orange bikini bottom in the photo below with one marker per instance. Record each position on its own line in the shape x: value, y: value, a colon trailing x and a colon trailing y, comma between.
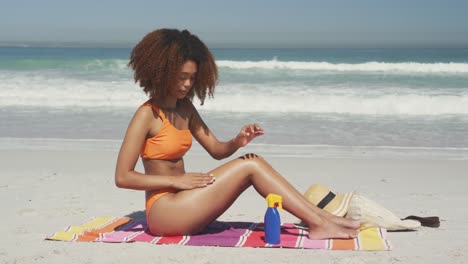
x: 155, y: 196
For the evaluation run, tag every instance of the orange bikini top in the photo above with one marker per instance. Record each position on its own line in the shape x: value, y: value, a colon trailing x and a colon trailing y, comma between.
x: 169, y: 143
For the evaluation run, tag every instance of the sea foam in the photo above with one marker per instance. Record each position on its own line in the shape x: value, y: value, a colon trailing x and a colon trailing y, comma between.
x: 38, y: 91
x: 373, y: 66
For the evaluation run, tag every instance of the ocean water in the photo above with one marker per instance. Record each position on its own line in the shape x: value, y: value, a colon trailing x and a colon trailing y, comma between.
x: 311, y: 102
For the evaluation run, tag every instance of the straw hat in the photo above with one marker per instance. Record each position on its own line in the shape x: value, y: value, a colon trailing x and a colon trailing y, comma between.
x: 357, y: 207
x: 372, y: 214
x: 325, y: 199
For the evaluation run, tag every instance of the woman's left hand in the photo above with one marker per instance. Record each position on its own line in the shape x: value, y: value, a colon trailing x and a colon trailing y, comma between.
x: 247, y: 134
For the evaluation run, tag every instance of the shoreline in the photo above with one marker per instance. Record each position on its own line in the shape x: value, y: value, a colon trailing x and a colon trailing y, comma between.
x: 272, y: 150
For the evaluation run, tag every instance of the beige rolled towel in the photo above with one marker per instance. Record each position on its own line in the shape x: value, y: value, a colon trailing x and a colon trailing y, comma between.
x: 372, y: 214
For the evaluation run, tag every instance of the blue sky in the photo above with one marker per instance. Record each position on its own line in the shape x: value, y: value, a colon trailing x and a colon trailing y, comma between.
x: 262, y: 23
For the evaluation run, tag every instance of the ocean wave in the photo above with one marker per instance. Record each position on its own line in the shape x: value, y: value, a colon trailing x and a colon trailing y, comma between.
x: 76, y: 65
x: 409, y: 104
x: 38, y: 90
x: 372, y: 66
x: 27, y: 90
x: 107, y: 96
x: 120, y: 66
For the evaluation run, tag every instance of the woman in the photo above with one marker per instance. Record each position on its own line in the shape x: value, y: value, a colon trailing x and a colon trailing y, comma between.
x: 172, y: 66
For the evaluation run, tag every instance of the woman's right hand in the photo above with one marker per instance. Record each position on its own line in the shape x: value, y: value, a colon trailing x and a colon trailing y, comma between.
x: 193, y: 180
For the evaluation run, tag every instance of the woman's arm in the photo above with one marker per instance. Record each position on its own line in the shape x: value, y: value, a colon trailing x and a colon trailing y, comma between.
x: 125, y: 174
x: 220, y: 150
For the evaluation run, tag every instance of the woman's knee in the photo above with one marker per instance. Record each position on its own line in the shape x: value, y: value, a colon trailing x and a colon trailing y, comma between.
x: 250, y: 157
x: 251, y: 160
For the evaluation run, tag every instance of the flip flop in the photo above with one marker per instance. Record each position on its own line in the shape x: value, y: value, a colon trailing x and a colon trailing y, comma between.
x: 431, y: 221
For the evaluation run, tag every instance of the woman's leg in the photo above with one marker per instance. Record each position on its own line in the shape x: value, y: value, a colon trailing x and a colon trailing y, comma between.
x: 190, y: 211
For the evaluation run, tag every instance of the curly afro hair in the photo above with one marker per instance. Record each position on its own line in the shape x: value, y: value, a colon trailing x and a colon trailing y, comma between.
x: 157, y: 59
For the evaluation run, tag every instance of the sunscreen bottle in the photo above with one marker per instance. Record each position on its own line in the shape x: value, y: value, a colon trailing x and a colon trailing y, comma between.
x: 272, y: 219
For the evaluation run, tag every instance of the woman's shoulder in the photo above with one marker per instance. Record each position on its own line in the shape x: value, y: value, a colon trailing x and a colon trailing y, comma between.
x: 145, y: 111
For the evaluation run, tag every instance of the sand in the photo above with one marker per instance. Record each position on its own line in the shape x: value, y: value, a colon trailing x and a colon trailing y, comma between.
x: 43, y: 190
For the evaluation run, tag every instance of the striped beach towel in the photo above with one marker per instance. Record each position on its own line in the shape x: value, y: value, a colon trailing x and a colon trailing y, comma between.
x: 222, y: 234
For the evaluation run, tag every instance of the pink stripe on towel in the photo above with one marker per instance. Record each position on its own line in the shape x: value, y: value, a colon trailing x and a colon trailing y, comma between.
x: 223, y: 234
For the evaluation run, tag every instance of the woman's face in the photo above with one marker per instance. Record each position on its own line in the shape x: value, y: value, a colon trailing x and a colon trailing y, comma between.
x: 185, y: 79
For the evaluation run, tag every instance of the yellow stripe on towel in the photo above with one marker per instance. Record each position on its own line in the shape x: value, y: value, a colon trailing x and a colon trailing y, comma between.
x: 72, y: 232
x: 372, y: 239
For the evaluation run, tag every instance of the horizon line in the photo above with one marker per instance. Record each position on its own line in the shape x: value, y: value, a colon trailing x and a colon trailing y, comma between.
x: 231, y: 45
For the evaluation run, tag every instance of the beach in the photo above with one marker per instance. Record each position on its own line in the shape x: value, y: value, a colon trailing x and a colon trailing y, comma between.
x: 369, y: 97
x: 390, y: 124
x: 47, y: 187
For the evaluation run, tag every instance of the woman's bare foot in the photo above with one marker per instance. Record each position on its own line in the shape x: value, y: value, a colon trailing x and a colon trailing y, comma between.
x: 345, y: 222
x: 329, y: 229
x: 341, y: 221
